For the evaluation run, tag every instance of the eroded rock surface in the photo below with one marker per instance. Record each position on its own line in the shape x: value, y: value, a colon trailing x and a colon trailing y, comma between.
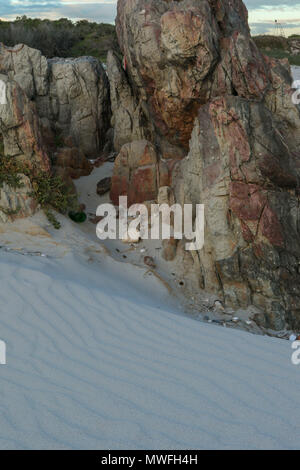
x: 16, y: 202
x: 73, y: 94
x: 241, y: 169
x: 226, y: 133
x: 135, y: 173
x: 56, y: 112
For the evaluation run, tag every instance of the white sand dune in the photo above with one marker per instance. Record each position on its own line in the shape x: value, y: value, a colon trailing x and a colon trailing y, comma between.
x: 96, y: 360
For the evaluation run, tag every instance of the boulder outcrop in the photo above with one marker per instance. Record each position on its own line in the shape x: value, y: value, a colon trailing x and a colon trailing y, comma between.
x: 72, y: 94
x: 135, y: 173
x: 57, y: 111
x: 226, y: 133
x: 240, y: 167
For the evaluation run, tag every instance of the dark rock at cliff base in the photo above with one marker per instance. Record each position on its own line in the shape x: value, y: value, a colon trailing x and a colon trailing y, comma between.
x: 104, y: 186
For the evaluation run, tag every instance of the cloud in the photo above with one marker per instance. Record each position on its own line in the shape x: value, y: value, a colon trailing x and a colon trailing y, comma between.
x: 253, y: 4
x: 263, y: 13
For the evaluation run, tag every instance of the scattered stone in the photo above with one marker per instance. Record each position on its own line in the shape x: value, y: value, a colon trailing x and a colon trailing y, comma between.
x: 96, y: 219
x: 149, y: 261
x: 135, y: 173
x: 219, y: 306
x: 104, y: 186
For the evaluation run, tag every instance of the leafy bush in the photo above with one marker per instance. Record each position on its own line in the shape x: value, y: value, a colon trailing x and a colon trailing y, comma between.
x: 272, y: 42
x: 9, y: 172
x: 51, y: 191
x: 279, y: 54
x: 277, y: 47
x: 60, y: 38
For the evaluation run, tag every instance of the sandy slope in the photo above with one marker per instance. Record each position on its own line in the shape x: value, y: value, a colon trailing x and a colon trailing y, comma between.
x: 99, y: 358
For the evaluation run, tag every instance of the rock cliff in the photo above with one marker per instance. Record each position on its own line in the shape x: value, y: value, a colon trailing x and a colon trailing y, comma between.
x: 219, y: 118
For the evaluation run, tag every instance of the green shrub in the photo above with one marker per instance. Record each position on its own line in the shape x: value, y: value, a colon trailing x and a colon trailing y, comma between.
x: 50, y: 191
x: 279, y: 54
x: 60, y: 38
x: 272, y: 42
x: 10, y: 172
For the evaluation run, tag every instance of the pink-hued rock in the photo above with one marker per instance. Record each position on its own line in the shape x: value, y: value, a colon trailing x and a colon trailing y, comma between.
x: 181, y: 54
x: 135, y: 173
x: 22, y: 139
x: 251, y: 215
x: 20, y: 128
x: 73, y: 160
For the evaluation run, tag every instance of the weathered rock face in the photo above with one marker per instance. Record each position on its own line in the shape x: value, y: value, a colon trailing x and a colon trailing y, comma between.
x: 180, y: 54
x: 240, y: 167
x: 73, y: 161
x: 71, y: 94
x: 226, y: 134
x: 56, y: 103
x: 78, y: 102
x: 135, y: 173
x: 128, y: 118
x: 20, y: 127
x: 16, y: 202
x: 21, y: 132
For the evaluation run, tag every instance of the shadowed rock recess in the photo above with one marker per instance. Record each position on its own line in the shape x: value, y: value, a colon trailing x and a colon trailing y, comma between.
x: 217, y: 119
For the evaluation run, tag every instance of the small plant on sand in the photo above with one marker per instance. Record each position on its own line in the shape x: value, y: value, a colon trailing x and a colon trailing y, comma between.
x: 51, y: 192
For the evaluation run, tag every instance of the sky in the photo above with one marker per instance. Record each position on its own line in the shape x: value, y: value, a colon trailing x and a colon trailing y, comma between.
x: 262, y: 13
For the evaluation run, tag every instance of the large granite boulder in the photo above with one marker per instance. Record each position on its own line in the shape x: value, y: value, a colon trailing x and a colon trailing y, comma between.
x: 179, y: 55
x: 77, y: 104
x: 20, y: 128
x: 226, y: 134
x: 21, y: 135
x: 71, y: 95
x: 241, y: 168
x: 135, y: 173
x: 56, y: 112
